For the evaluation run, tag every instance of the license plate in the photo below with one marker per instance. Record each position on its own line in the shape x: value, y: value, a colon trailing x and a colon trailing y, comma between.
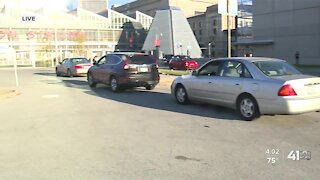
x: 143, y: 69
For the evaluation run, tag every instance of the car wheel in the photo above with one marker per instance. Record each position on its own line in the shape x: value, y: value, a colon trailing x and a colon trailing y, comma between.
x: 90, y: 80
x: 150, y: 87
x: 181, y: 95
x: 248, y: 108
x: 57, y: 72
x: 69, y: 73
x: 114, y: 84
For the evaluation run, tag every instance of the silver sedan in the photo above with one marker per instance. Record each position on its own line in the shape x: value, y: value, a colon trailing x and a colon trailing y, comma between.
x: 253, y: 86
x: 73, y: 67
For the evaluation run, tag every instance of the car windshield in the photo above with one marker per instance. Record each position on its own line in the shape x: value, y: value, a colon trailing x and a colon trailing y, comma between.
x: 140, y: 59
x: 80, y: 61
x: 276, y: 68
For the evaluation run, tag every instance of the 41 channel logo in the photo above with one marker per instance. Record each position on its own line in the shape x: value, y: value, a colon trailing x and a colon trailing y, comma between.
x: 297, y: 155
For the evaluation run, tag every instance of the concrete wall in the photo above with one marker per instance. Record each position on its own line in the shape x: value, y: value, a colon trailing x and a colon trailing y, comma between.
x: 293, y: 25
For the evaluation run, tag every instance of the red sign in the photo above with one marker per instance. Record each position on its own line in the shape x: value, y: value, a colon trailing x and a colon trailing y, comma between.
x: 157, y: 42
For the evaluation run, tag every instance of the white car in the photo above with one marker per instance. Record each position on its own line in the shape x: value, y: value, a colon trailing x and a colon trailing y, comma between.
x: 253, y: 86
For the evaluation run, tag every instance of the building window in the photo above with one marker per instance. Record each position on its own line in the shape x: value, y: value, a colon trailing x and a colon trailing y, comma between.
x: 214, y: 22
x: 200, y: 32
x: 214, y: 31
x: 199, y: 24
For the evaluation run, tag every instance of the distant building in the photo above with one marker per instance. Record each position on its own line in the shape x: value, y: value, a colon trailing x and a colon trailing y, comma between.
x: 95, y: 6
x: 210, y: 31
x: 149, y: 7
x: 285, y: 29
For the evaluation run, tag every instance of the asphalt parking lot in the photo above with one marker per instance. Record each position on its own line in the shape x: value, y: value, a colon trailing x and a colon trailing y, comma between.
x: 59, y: 128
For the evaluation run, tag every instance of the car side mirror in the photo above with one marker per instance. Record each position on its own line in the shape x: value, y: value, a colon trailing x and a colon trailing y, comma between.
x: 195, y: 73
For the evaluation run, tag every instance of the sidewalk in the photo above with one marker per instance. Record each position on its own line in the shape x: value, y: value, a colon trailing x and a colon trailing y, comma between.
x: 315, y: 71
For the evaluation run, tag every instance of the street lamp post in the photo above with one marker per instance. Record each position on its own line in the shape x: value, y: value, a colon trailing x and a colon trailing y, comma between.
x: 229, y: 29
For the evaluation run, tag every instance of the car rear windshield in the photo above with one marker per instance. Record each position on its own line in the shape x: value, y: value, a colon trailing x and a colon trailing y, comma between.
x: 276, y: 68
x: 140, y: 59
x: 80, y: 61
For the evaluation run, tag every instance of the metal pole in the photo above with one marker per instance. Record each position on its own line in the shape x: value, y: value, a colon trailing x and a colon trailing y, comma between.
x: 15, y: 68
x: 229, y: 30
x: 209, y: 47
x: 56, y: 47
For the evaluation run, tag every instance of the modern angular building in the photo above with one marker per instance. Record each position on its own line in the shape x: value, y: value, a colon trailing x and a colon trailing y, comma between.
x: 149, y: 7
x: 171, y: 32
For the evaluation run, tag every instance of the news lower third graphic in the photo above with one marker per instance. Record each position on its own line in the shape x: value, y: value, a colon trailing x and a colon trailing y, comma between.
x: 274, y: 156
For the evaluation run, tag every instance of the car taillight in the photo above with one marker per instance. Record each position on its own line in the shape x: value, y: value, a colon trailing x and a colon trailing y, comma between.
x: 126, y: 67
x: 78, y: 66
x: 126, y: 78
x: 286, y: 90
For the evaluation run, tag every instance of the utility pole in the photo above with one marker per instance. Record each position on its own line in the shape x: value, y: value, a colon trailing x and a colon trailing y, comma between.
x: 229, y: 29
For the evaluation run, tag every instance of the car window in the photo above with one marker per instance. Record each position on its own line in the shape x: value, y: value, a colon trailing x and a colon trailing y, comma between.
x: 64, y: 61
x: 276, y: 68
x: 232, y: 69
x: 112, y: 59
x: 140, y: 59
x: 210, y: 69
x: 101, y: 61
x: 246, y: 73
x: 79, y: 60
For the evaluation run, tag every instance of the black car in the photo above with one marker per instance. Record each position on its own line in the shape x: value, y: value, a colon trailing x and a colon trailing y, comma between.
x: 124, y: 70
x: 167, y: 58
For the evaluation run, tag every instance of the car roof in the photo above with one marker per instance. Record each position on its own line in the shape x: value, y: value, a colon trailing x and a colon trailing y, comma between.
x: 76, y: 58
x: 251, y: 59
x: 127, y: 53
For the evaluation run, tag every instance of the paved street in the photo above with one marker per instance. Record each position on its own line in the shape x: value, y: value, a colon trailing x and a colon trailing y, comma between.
x: 59, y: 128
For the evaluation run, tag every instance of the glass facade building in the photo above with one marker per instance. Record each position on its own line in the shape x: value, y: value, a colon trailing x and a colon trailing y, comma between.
x: 44, y: 36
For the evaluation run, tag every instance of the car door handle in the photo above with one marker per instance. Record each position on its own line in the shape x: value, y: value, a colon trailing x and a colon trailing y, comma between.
x: 237, y: 84
x: 210, y: 82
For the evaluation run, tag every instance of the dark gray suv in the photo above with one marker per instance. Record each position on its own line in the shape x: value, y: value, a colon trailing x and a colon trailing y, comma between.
x: 124, y: 70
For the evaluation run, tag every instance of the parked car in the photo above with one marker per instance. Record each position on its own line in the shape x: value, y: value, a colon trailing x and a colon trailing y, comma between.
x: 121, y: 70
x: 183, y: 63
x: 167, y: 58
x: 73, y: 67
x: 253, y: 86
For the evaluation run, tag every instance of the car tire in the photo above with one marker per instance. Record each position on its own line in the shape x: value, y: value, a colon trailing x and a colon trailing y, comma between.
x: 248, y: 108
x: 114, y: 85
x: 57, y: 73
x: 181, y: 95
x: 69, y: 74
x: 91, y: 81
x: 150, y: 87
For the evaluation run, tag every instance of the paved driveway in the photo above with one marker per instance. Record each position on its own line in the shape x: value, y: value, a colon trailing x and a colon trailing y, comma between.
x: 59, y: 128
